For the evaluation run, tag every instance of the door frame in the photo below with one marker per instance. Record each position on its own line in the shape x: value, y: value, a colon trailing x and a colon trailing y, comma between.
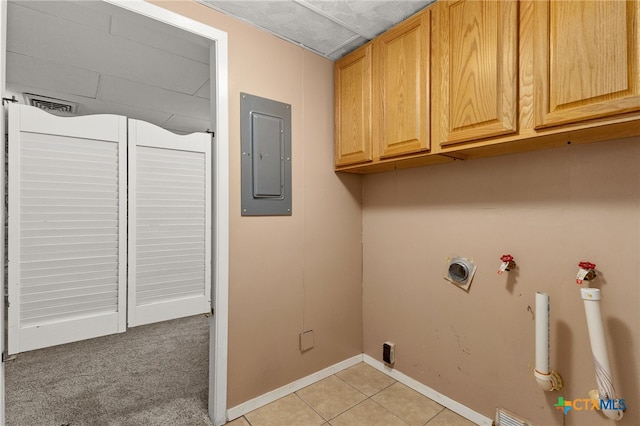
x: 218, y: 323
x: 3, y: 67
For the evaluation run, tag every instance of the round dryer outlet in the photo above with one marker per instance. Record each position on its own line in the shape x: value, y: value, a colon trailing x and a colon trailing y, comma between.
x: 460, y: 271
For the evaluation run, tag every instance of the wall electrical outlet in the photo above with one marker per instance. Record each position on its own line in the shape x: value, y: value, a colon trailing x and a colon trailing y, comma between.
x: 389, y: 353
x: 306, y: 340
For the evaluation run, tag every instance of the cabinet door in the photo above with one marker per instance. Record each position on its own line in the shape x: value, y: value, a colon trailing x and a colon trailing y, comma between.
x: 586, y: 60
x: 353, y: 107
x: 475, y: 70
x: 402, y: 63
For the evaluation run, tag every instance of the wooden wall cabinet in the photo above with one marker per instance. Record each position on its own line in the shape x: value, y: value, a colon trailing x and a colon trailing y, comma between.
x: 401, y: 84
x: 587, y: 56
x: 475, y: 46
x: 353, y: 103
x: 467, y: 79
x: 382, y: 96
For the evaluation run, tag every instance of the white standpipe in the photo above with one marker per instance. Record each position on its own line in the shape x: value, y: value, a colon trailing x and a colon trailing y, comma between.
x: 591, y: 297
x: 548, y: 380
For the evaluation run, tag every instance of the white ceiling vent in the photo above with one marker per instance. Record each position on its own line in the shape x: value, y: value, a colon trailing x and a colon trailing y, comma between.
x: 53, y: 105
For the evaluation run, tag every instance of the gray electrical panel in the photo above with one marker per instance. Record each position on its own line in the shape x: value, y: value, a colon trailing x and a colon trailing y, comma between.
x: 265, y: 133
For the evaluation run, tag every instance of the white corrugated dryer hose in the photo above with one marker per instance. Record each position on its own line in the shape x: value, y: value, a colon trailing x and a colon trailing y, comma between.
x: 606, y: 391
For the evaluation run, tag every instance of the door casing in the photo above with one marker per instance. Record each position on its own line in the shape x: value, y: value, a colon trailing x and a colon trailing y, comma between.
x: 218, y: 330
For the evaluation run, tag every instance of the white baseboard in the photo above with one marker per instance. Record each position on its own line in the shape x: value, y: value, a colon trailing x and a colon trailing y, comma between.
x: 425, y: 390
x: 264, y: 399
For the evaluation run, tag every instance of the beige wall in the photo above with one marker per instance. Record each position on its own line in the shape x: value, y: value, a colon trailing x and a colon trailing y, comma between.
x: 549, y: 209
x: 288, y: 274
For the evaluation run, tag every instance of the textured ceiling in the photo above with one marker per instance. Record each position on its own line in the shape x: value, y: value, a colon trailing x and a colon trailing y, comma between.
x: 331, y: 28
x: 108, y: 60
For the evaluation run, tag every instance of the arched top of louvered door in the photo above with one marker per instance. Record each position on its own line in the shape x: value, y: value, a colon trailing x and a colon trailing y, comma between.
x: 67, y: 227
x: 169, y: 224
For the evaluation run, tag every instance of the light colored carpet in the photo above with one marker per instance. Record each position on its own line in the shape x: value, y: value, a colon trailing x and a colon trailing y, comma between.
x: 150, y: 375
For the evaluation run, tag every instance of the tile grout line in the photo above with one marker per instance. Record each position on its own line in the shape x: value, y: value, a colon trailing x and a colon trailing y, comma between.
x: 443, y: 400
x: 396, y: 414
x: 342, y: 412
x: 367, y: 397
x: 375, y: 402
x: 437, y: 414
x: 370, y: 397
x: 340, y: 378
x: 394, y: 382
x: 307, y: 404
x: 392, y: 413
x: 384, y: 388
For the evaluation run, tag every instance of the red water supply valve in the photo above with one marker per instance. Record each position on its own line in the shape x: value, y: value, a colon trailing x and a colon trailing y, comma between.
x: 507, y: 263
x: 587, y: 272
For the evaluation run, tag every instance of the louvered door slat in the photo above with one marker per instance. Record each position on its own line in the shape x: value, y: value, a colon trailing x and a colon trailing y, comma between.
x: 38, y: 178
x: 69, y: 262
x: 67, y: 227
x: 169, y: 224
x: 66, y: 293
x: 67, y: 285
x: 69, y: 224
x: 171, y: 252
x: 30, y: 272
x: 159, y: 257
x: 160, y: 282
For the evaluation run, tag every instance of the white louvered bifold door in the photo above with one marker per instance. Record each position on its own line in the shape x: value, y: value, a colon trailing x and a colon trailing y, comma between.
x: 67, y: 227
x: 169, y: 224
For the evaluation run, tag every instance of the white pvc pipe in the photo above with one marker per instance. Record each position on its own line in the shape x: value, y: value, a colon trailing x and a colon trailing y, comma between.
x: 606, y: 391
x: 548, y: 380
x: 542, y: 333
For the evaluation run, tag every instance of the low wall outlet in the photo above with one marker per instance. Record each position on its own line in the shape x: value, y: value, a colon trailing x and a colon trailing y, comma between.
x: 306, y: 340
x: 388, y: 353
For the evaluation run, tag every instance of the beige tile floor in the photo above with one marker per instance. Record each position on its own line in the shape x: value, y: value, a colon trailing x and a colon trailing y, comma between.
x: 357, y: 396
